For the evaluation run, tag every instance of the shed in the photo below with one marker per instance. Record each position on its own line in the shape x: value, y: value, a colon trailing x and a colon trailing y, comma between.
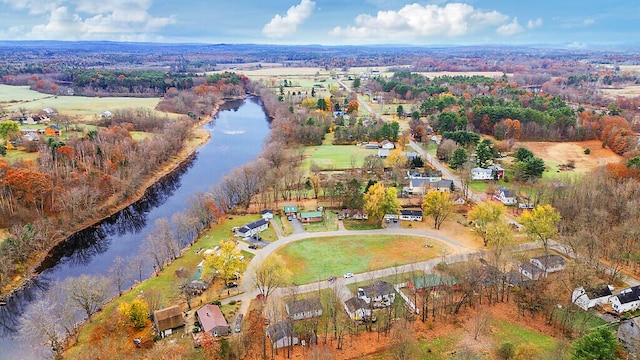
x: 168, y: 319
x: 281, y: 334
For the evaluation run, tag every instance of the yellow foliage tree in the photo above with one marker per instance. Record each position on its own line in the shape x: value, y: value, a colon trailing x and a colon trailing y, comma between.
x: 483, y: 215
x: 438, y: 206
x: 227, y: 262
x: 379, y: 201
x: 541, y: 224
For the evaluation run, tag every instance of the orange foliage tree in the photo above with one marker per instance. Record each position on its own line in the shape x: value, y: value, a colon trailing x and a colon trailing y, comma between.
x: 616, y: 133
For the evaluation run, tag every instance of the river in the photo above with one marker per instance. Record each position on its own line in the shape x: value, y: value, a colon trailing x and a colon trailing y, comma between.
x: 237, y: 135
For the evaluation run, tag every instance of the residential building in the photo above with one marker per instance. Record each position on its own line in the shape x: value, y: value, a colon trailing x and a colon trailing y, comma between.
x: 253, y: 228
x: 383, y: 153
x: 311, y: 216
x: 357, y: 309
x: 304, y: 308
x: 267, y: 214
x: 411, y: 215
x: 627, y: 300
x: 281, y: 334
x: 586, y: 297
x: 212, y: 320
x: 380, y: 294
x: 291, y: 210
x: 167, y: 320
x: 549, y: 263
x: 387, y: 145
x: 442, y: 185
x: 530, y: 271
x: 505, y: 196
x: 492, y: 172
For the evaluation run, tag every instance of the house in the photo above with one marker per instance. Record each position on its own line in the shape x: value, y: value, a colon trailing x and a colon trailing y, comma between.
x: 530, y: 271
x: 267, y: 214
x: 411, y: 215
x: 590, y: 296
x: 492, y: 172
x: 212, y: 320
x: 380, y: 293
x: 432, y: 282
x: 291, y: 210
x: 304, y: 309
x: 311, y: 216
x: 281, y: 334
x: 253, y: 228
x: 31, y: 137
x: 629, y: 335
x: 411, y: 155
x: 505, y: 196
x: 442, y: 185
x: 168, y: 319
x: 430, y: 176
x: 627, y: 300
x: 357, y: 309
x: 52, y: 130
x: 383, y: 153
x: 387, y: 145
x: 549, y: 263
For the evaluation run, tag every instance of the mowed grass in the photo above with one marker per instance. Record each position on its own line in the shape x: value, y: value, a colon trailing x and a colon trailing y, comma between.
x: 333, y: 157
x: 517, y: 335
x: 89, y: 108
x: 319, y: 258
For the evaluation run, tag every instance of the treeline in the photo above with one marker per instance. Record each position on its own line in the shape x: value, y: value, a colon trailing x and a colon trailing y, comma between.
x: 74, y: 177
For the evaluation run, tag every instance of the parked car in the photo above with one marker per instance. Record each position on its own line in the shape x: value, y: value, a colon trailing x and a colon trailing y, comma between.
x: 339, y: 217
x: 331, y: 279
x: 348, y: 275
x: 238, y: 324
x: 253, y: 246
x: 232, y: 284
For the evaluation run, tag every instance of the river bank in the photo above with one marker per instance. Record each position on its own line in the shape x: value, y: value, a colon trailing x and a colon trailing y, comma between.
x: 112, y: 206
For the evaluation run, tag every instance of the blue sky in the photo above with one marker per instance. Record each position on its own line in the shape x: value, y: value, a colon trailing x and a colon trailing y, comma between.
x: 329, y: 22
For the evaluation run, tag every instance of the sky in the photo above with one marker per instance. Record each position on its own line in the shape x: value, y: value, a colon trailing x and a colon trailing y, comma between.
x: 569, y: 23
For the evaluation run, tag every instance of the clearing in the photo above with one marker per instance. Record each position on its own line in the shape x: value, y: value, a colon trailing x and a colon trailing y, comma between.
x: 555, y: 154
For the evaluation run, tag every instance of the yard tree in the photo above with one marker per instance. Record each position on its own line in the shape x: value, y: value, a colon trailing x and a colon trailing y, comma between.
x: 459, y: 157
x: 484, y: 214
x: 532, y: 168
x: 379, y: 201
x: 541, y: 224
x: 438, y: 206
x: 88, y: 292
x: 599, y: 344
x: 9, y: 128
x: 356, y: 83
x: 353, y: 106
x: 484, y: 153
x: 271, y: 274
x: 228, y: 261
x: 523, y: 154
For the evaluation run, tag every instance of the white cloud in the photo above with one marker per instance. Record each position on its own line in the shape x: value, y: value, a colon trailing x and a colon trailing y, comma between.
x: 510, y: 29
x: 418, y: 21
x: 532, y: 24
x: 588, y: 22
x: 281, y: 26
x: 123, y: 20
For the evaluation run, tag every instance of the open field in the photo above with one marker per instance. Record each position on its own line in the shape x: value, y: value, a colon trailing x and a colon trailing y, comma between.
x: 87, y: 108
x: 629, y: 91
x: 319, y: 258
x: 555, y: 154
x: 333, y: 157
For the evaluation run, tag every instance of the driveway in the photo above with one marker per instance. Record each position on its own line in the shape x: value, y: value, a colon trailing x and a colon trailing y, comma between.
x: 297, y: 226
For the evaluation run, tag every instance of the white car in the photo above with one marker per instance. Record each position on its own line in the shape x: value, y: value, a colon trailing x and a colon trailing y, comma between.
x: 348, y: 275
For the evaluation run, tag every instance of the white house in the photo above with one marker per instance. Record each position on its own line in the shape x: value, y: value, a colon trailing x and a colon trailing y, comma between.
x: 267, y: 214
x: 281, y: 334
x: 386, y: 144
x: 380, y: 293
x: 430, y: 176
x: 549, y: 263
x: 383, y: 153
x: 490, y: 173
x: 529, y: 271
x: 253, y: 228
x: 505, y: 196
x: 588, y: 297
x: 627, y: 300
x: 357, y: 309
x: 304, y: 309
x: 411, y: 215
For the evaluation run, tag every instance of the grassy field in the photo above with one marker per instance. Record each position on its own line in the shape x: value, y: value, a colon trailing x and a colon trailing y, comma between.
x: 88, y: 108
x: 330, y: 223
x: 332, y: 157
x: 319, y: 258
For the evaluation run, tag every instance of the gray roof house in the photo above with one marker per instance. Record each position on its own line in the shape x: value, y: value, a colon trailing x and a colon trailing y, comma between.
x: 253, y: 228
x: 549, y: 263
x: 380, y: 293
x: 281, y: 334
x: 304, y: 309
x: 357, y: 309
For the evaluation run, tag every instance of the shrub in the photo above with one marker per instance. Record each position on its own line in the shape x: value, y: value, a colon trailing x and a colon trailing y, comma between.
x: 506, y: 351
x: 587, y: 151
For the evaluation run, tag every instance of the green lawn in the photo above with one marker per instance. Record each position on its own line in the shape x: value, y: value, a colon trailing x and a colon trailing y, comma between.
x: 319, y: 258
x: 333, y: 157
x: 330, y: 223
x: 360, y: 225
x: 517, y: 335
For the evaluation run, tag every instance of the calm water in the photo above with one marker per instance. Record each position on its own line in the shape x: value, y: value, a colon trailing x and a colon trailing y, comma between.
x: 237, y: 135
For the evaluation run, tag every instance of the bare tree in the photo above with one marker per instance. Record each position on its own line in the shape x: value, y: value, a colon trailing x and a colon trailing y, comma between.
x: 87, y: 292
x: 39, y: 324
x: 271, y: 274
x: 118, y: 273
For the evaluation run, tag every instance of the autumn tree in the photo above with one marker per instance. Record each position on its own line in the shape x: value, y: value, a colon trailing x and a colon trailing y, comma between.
x: 89, y: 293
x: 353, y: 106
x: 483, y: 215
x: 271, y: 274
x: 541, y: 224
x: 227, y: 262
x: 137, y: 312
x: 379, y: 201
x: 8, y: 129
x: 438, y: 205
